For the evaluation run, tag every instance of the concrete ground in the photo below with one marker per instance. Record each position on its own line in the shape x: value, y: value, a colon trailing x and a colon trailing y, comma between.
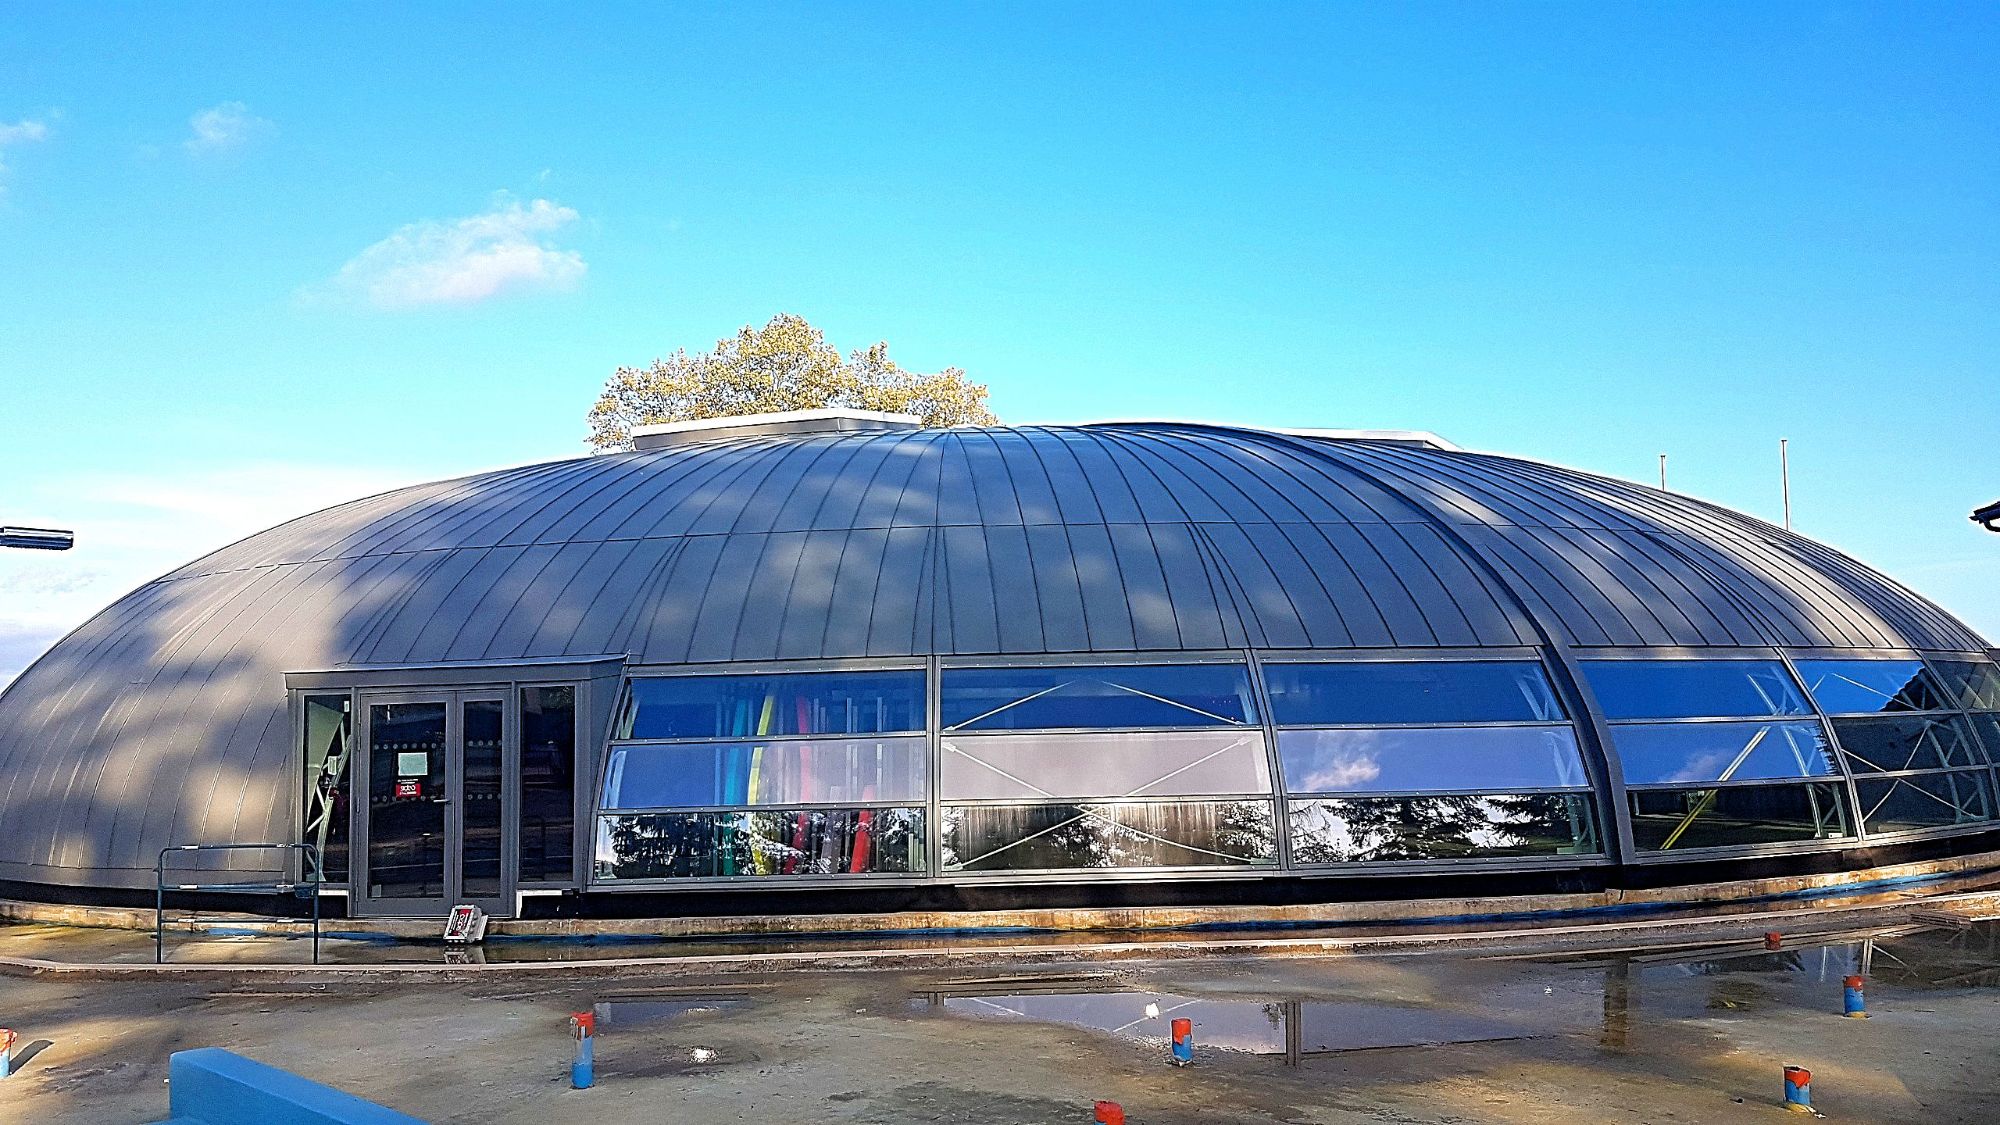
x: 1644, y: 1035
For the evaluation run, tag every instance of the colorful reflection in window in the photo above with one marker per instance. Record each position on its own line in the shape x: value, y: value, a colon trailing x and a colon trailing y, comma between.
x: 797, y: 703
x: 1867, y: 687
x: 1682, y: 753
x: 1681, y: 689
x: 1365, y: 693
x: 1097, y: 697
x: 764, y: 843
x: 1932, y: 800
x: 1054, y: 837
x: 1379, y: 829
x: 1430, y: 759
x: 1684, y: 819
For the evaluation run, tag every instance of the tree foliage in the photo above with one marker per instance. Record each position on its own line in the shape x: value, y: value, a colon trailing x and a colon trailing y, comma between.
x: 785, y: 365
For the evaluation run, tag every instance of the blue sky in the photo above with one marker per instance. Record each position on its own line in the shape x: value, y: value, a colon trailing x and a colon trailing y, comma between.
x: 254, y: 261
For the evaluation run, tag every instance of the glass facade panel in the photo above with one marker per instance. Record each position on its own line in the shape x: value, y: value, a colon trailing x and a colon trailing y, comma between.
x: 1686, y: 689
x: 329, y: 742
x: 1062, y: 765
x: 1988, y: 727
x: 799, y: 842
x: 1680, y: 753
x: 1365, y: 829
x: 1430, y: 759
x: 482, y: 725
x: 406, y: 800
x: 757, y: 706
x: 1682, y: 819
x: 1888, y: 745
x: 1932, y: 800
x: 1866, y: 687
x: 798, y: 772
x: 1053, y: 837
x: 1098, y: 697
x: 548, y: 783
x: 1973, y: 685
x: 1364, y: 693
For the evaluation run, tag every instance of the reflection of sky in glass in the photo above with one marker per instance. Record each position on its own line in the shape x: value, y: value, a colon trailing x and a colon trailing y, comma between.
x: 1430, y: 759
x: 1671, y: 753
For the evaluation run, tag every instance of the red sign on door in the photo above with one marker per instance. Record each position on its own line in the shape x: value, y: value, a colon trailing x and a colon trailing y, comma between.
x: 412, y: 787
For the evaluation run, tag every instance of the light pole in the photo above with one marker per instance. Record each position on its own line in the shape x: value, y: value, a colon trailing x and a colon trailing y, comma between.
x: 37, y: 538
x: 1988, y: 517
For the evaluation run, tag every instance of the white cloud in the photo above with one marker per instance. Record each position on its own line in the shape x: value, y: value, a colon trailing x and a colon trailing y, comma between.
x: 464, y: 261
x: 24, y: 131
x: 133, y: 528
x: 220, y: 128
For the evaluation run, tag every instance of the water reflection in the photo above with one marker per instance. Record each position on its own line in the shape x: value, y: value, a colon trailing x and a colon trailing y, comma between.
x: 1608, y: 997
x: 1294, y: 1029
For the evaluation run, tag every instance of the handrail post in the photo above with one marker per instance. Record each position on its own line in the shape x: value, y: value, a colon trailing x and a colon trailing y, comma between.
x: 307, y: 852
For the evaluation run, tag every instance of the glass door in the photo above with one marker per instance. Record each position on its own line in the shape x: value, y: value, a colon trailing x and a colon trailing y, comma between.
x: 433, y: 830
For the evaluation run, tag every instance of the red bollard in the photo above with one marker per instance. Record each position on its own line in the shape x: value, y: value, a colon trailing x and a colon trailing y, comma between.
x: 1774, y: 940
x: 1109, y: 1113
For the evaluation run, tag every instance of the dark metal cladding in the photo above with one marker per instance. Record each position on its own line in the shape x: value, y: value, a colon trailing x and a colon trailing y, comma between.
x: 163, y: 719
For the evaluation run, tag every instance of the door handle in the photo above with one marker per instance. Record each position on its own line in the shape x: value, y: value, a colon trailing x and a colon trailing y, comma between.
x: 440, y: 800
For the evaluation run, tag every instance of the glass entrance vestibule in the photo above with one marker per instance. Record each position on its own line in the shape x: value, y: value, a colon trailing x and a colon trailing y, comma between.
x: 423, y: 789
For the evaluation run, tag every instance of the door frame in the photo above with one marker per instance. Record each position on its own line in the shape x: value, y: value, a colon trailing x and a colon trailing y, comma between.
x: 360, y: 902
x: 596, y: 680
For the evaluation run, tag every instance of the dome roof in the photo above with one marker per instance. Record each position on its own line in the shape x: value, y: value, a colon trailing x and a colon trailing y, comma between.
x: 164, y: 717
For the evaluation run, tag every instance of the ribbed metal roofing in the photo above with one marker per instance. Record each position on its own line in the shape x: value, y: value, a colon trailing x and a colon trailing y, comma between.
x: 163, y: 719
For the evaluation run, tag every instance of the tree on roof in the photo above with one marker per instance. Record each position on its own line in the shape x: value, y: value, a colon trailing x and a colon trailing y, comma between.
x: 785, y: 365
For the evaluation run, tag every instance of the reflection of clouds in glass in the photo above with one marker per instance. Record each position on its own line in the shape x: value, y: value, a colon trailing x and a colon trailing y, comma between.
x: 1336, y: 770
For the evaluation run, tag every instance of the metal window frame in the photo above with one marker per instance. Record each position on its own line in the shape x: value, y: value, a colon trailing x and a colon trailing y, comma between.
x: 1283, y: 783
x: 1852, y: 839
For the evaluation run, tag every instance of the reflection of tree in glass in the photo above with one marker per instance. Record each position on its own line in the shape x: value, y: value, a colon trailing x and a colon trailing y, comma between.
x: 765, y: 842
x: 1337, y: 830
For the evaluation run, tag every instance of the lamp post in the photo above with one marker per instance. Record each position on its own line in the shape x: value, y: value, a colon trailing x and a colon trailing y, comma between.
x: 37, y: 538
x: 1988, y: 517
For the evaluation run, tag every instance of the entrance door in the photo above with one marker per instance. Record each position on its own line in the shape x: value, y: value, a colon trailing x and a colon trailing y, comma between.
x: 433, y: 831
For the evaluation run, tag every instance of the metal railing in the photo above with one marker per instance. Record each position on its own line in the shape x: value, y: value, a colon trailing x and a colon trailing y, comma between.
x: 307, y: 887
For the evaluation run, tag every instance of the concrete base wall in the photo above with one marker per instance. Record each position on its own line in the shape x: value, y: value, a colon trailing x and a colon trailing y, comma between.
x: 1965, y: 868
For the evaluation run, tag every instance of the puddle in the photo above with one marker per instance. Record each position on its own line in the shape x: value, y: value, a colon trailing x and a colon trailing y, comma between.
x: 622, y: 1013
x: 1291, y: 1028
x: 1444, y: 1002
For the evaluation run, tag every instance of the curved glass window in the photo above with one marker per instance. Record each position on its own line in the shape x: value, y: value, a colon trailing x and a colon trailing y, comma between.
x: 1370, y: 829
x: 1867, y: 687
x: 1989, y: 733
x: 1973, y: 685
x: 722, y: 845
x: 796, y: 772
x: 1097, y: 697
x: 751, y: 706
x: 1684, y: 753
x: 1070, y: 836
x: 1681, y: 689
x: 1891, y: 745
x: 1430, y: 759
x: 1666, y: 820
x: 1367, y: 693
x: 1934, y: 800
x: 1038, y: 767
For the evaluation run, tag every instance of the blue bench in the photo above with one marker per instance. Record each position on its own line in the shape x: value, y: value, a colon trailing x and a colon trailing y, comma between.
x: 211, y: 1086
